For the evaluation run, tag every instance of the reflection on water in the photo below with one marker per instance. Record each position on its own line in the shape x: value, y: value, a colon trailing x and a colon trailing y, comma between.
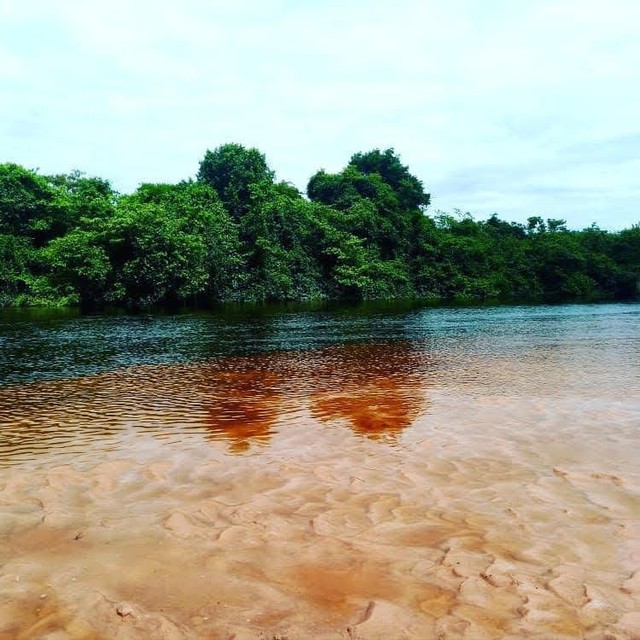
x: 376, y: 389
x: 450, y: 475
x: 243, y: 407
x: 375, y: 409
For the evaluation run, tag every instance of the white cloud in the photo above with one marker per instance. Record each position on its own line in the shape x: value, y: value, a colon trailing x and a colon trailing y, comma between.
x: 489, y: 103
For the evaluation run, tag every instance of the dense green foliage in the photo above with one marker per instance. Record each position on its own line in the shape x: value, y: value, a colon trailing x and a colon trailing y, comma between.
x: 236, y: 234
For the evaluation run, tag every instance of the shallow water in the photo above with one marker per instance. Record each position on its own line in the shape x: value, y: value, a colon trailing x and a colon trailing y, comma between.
x: 377, y: 473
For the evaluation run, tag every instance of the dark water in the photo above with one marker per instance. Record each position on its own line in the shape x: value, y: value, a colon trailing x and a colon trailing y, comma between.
x: 47, y: 345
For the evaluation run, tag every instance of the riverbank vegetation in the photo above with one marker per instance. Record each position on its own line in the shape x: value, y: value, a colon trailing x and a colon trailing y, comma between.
x: 235, y: 233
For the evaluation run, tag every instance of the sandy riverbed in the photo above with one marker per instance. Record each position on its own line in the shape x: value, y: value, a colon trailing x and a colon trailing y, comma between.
x: 362, y: 492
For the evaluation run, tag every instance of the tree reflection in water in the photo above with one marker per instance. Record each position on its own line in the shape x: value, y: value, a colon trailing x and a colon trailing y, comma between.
x: 377, y: 389
x: 245, y: 408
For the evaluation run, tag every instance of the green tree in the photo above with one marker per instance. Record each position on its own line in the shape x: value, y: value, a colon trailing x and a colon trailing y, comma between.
x: 200, y: 212
x: 625, y: 251
x: 408, y: 189
x: 15, y: 257
x: 535, y: 224
x: 173, y: 244
x: 81, y: 199
x: 278, y: 233
x: 236, y: 234
x: 233, y: 170
x: 77, y: 268
x: 27, y: 204
x: 374, y: 209
x: 153, y: 260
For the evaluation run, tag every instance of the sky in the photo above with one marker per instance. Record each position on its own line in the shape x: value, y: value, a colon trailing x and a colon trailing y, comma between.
x: 510, y: 106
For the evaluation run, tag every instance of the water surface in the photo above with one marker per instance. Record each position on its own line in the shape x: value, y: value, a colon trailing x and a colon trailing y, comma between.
x: 329, y: 473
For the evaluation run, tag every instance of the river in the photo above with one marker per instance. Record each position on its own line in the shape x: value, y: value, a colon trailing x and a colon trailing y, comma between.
x: 366, y: 472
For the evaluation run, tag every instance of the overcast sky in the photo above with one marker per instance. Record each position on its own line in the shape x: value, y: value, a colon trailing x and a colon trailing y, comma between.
x: 510, y: 106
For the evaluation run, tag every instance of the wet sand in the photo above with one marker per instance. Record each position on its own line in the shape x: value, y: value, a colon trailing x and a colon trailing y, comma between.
x: 359, y: 492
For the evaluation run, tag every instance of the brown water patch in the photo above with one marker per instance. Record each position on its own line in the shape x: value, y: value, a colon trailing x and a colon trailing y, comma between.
x: 377, y: 392
x: 384, y: 407
x: 245, y: 408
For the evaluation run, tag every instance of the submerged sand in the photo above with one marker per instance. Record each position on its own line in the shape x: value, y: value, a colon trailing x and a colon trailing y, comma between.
x: 365, y: 491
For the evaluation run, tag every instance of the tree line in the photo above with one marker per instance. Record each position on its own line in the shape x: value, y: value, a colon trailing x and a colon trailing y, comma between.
x: 235, y: 233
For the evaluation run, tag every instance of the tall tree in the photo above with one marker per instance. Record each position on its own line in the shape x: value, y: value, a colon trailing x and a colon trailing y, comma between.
x: 233, y: 171
x: 27, y: 204
x: 408, y: 189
